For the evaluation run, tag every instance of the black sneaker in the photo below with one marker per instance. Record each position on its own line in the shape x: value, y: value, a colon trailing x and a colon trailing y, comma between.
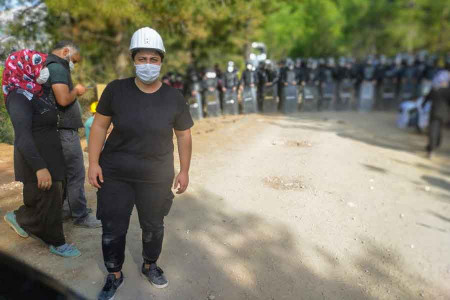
x: 111, y: 286
x: 155, y: 275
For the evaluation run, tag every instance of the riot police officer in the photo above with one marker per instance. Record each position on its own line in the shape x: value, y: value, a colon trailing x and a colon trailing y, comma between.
x: 408, y: 79
x: 300, y: 71
x: 267, y: 87
x: 211, y: 100
x: 193, y: 92
x: 327, y: 84
x: 230, y: 84
x: 387, y: 77
x: 248, y: 84
x: 345, y: 95
x: 367, y: 88
x: 288, y: 83
x: 310, y: 90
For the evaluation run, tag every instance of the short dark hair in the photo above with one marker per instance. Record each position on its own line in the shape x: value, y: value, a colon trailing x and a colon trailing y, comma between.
x: 135, y: 51
x: 64, y: 44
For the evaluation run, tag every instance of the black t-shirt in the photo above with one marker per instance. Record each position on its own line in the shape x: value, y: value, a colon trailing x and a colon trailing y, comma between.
x: 140, y: 147
x: 37, y: 144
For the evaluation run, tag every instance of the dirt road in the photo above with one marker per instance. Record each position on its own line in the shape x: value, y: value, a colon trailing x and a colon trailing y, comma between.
x: 311, y: 206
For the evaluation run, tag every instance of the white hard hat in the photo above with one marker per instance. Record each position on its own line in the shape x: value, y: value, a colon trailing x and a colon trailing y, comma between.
x: 147, y: 38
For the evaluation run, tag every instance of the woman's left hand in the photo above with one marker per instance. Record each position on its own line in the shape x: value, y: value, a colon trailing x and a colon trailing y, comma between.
x: 181, y: 182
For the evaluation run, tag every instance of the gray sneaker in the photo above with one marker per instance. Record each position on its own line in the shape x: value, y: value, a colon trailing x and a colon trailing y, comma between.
x: 155, y: 275
x: 66, y: 214
x: 90, y: 221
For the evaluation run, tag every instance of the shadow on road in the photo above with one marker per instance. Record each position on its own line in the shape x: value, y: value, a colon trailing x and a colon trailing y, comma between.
x: 439, y: 216
x: 210, y: 250
x: 441, y: 183
x: 377, y: 129
x: 375, y: 169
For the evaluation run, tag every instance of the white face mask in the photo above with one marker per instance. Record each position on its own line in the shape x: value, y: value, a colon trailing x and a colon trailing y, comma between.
x: 69, y: 59
x: 147, y: 73
x: 71, y: 66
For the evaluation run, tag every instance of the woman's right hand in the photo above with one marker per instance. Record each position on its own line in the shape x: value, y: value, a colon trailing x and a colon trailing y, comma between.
x: 95, y: 174
x: 44, y: 179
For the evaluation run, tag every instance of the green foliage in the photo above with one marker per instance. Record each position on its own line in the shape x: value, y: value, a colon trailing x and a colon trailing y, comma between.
x: 194, y: 31
x: 204, y: 32
x: 357, y: 27
x: 6, y: 128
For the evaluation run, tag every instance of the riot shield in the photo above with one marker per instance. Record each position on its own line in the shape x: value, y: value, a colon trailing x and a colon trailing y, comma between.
x: 310, y: 97
x: 249, y: 103
x: 407, y: 90
x: 366, y: 96
x: 270, y: 100
x: 195, y: 106
x: 230, y: 103
x: 328, y: 95
x: 212, y: 102
x: 289, y: 101
x: 345, y: 99
x: 388, y: 95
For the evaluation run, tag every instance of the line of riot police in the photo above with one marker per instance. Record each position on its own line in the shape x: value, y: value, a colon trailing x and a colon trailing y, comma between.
x: 308, y: 84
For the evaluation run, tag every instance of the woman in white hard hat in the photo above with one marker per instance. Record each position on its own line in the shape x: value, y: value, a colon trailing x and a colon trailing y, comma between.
x: 136, y: 165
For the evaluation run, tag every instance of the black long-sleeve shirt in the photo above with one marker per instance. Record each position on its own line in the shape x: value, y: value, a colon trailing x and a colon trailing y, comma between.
x: 440, y: 101
x: 37, y: 144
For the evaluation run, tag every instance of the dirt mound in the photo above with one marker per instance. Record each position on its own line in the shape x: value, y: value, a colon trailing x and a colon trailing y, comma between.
x: 280, y: 183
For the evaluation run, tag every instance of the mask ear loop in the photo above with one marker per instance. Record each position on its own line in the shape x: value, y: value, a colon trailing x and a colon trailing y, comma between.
x: 69, y: 56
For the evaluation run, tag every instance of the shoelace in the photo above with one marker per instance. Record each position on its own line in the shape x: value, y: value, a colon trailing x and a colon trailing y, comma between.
x: 66, y: 248
x: 157, y: 271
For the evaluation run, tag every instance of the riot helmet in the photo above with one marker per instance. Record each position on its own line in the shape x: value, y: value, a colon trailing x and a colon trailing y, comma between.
x: 389, y: 61
x: 210, y: 73
x: 431, y: 61
x: 290, y: 64
x: 342, y: 61
x: 410, y: 60
x: 193, y: 76
x: 398, y: 59
x: 230, y: 67
x: 321, y: 61
x: 422, y: 56
x: 330, y: 62
x: 249, y: 66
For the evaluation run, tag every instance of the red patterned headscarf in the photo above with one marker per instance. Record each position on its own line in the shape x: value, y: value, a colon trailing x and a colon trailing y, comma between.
x: 22, y: 68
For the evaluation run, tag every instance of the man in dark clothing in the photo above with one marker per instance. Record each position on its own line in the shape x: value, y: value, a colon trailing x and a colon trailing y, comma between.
x: 440, y: 100
x: 60, y: 63
x: 230, y: 84
x: 268, y: 78
x: 248, y: 83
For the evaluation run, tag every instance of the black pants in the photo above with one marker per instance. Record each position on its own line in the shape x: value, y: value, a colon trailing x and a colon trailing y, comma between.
x: 115, y: 202
x: 434, y: 134
x: 41, y: 213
